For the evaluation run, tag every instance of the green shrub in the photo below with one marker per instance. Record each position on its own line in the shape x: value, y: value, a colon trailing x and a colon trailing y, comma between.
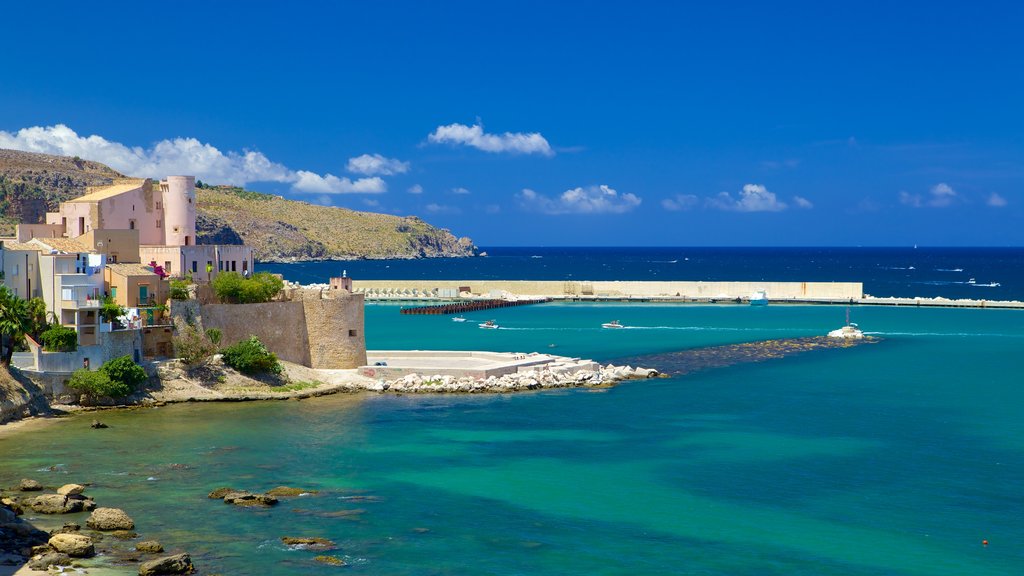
x: 251, y: 357
x: 97, y: 384
x: 123, y: 369
x: 179, y: 289
x: 214, y: 335
x: 191, y: 343
x: 233, y: 288
x: 111, y: 310
x: 59, y: 339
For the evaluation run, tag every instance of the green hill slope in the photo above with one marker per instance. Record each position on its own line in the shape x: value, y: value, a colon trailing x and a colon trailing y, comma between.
x: 278, y: 229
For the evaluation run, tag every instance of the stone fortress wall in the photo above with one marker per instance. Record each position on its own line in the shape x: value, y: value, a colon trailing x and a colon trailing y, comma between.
x: 313, y: 327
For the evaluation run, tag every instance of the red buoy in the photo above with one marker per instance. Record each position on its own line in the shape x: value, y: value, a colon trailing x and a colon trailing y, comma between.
x: 984, y: 542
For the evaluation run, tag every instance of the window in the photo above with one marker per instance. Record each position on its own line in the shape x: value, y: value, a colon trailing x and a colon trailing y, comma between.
x: 158, y: 223
x: 233, y: 269
x: 67, y: 294
x: 113, y: 258
x: 167, y: 266
x: 113, y: 292
x: 189, y: 200
x: 15, y: 272
x: 131, y: 224
x: 220, y: 265
x: 351, y: 333
x: 157, y: 204
x: 195, y: 266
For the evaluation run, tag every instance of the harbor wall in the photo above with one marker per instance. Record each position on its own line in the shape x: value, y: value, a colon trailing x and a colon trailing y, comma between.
x: 626, y: 289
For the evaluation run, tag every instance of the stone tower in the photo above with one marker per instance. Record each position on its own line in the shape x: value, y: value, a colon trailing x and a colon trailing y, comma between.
x: 179, y: 199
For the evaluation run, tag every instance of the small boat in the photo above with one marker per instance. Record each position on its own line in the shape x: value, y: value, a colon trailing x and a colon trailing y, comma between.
x: 759, y: 298
x: 458, y: 319
x: 851, y: 331
x: 489, y: 325
x: 971, y: 281
x: 612, y: 324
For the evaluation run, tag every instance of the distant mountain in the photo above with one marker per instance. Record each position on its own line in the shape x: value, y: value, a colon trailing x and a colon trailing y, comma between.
x: 279, y: 230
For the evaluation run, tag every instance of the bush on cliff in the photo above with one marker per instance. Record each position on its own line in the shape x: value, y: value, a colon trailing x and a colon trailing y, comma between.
x: 123, y: 369
x: 59, y: 339
x: 97, y: 384
x: 231, y: 287
x: 191, y: 343
x: 251, y: 357
x: 179, y: 289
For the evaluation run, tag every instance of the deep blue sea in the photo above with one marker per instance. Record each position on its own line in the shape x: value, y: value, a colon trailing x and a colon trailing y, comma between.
x: 897, y: 458
x: 998, y: 273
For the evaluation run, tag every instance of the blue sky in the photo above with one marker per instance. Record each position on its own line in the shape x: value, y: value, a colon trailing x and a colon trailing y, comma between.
x: 542, y: 123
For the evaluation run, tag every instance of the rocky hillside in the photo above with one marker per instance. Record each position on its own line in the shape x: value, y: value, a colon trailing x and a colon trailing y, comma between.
x: 278, y: 229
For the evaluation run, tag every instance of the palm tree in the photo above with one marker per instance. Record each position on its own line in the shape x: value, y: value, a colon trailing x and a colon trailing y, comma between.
x: 14, y: 321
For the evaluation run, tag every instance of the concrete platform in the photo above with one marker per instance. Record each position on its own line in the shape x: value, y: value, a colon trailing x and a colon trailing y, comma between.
x: 475, y: 364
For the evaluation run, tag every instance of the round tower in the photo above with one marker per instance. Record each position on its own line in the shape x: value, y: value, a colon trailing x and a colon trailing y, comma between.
x: 179, y: 197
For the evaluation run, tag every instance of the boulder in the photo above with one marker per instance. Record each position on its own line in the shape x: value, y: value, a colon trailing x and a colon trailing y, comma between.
x: 49, y: 559
x: 150, y: 547
x: 29, y: 485
x: 71, y: 489
x: 67, y: 528
x: 220, y: 493
x: 124, y: 534
x: 97, y: 424
x: 7, y: 515
x: 309, y: 543
x: 176, y: 564
x: 249, y: 499
x: 109, y: 519
x: 74, y: 545
x: 55, y: 504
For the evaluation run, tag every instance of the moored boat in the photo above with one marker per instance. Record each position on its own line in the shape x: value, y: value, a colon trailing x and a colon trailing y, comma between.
x: 759, y: 298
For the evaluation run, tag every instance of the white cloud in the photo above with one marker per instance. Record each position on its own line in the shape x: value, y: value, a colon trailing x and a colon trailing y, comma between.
x: 942, y: 195
x: 995, y: 200
x: 372, y: 164
x: 802, y: 202
x: 591, y: 200
x: 460, y: 190
x: 939, y: 196
x: 753, y: 198
x: 474, y: 136
x: 680, y: 202
x: 181, y: 156
x: 442, y: 209
x: 371, y: 202
x: 492, y: 209
x: 311, y: 182
x: 415, y: 189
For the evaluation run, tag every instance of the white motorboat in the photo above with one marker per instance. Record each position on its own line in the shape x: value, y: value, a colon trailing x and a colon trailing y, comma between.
x: 490, y: 325
x: 851, y: 331
x: 612, y: 324
x: 458, y: 319
x: 759, y: 298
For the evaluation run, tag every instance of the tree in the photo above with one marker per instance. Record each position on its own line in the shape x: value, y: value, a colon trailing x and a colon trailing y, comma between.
x: 59, y: 339
x: 191, y: 343
x: 97, y: 384
x: 38, y: 318
x: 14, y: 322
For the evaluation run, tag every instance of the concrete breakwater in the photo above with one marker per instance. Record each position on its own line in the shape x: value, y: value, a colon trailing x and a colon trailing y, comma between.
x: 615, y: 290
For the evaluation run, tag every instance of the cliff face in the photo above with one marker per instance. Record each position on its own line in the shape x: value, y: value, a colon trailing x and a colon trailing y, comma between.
x: 279, y: 230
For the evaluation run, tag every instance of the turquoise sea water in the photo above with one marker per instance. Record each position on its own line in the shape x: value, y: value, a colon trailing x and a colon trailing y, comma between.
x: 897, y: 458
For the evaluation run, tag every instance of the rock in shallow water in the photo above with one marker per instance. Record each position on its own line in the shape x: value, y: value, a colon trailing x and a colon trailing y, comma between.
x: 75, y: 545
x: 29, y: 485
x: 110, y: 519
x: 249, y: 499
x: 330, y: 560
x: 309, y: 543
x: 49, y: 559
x: 71, y: 489
x: 150, y: 547
x: 176, y: 564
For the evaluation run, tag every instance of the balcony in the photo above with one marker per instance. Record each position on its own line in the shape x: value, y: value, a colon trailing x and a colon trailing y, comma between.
x: 84, y: 301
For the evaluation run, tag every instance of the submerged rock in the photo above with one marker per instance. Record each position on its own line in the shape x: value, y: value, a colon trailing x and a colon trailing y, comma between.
x: 249, y: 499
x: 176, y: 564
x: 110, y: 519
x: 330, y: 560
x: 285, y: 491
x: 74, y: 545
x: 309, y: 543
x: 97, y: 424
x: 220, y: 493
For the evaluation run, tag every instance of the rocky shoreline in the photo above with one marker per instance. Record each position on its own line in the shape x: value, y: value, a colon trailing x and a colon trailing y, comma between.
x: 108, y: 532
